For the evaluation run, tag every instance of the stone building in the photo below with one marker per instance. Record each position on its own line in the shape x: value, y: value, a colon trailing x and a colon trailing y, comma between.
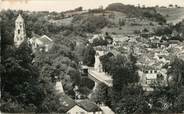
x: 19, y: 33
x: 98, y: 64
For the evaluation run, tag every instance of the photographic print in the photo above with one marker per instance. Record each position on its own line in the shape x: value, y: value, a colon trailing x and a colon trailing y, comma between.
x: 92, y: 56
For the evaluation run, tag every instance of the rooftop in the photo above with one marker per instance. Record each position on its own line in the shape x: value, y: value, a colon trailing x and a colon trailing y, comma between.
x: 45, y: 39
x: 106, y: 110
x: 88, y: 105
x: 66, y: 102
x: 19, y: 18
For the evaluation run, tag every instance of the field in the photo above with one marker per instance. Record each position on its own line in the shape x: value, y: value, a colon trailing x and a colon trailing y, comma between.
x: 65, y: 21
x: 172, y: 15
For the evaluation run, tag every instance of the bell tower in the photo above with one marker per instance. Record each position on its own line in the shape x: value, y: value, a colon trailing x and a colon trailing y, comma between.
x: 19, y: 33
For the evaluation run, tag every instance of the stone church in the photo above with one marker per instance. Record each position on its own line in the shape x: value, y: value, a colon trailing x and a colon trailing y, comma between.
x: 36, y: 42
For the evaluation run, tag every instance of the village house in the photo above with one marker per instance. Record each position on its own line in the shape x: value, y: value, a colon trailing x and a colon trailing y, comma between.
x: 70, y: 106
x: 173, y: 43
x: 151, y: 76
x: 151, y: 70
x: 106, y: 110
x: 85, y: 107
x: 43, y: 43
x: 162, y: 57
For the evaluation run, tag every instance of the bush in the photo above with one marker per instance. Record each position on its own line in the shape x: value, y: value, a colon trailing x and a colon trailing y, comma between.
x: 87, y: 82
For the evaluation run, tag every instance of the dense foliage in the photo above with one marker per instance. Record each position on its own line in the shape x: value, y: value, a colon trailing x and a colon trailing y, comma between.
x: 20, y: 81
x: 60, y: 63
x: 28, y: 79
x: 89, y: 23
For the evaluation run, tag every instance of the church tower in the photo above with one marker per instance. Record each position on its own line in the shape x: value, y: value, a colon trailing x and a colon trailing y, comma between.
x: 19, y: 33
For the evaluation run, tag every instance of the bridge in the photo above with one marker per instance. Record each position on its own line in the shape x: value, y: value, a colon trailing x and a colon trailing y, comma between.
x: 99, y: 77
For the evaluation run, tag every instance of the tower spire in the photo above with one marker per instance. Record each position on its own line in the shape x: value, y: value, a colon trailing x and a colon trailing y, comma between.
x: 19, y: 33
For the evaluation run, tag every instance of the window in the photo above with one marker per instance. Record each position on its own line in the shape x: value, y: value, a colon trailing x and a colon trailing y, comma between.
x: 148, y: 81
x: 146, y: 71
x: 18, y: 31
x: 160, y: 57
x: 85, y: 71
x: 82, y: 113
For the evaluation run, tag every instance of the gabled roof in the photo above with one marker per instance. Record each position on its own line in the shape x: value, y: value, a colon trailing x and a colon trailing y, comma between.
x: 66, y: 102
x: 88, y: 105
x: 45, y: 39
x: 19, y: 19
x: 106, y: 110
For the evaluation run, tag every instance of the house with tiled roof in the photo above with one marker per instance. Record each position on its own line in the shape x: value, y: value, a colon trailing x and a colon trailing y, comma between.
x: 70, y: 106
x: 150, y: 75
x: 89, y: 107
x: 151, y: 70
x: 41, y: 43
x: 84, y: 107
x: 66, y: 103
x: 106, y: 110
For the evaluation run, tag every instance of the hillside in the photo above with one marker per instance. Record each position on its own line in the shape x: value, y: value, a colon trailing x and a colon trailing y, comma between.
x: 172, y: 15
x: 137, y: 12
x: 127, y: 9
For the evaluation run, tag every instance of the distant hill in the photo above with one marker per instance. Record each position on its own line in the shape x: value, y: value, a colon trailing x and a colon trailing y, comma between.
x: 132, y: 11
x: 172, y: 15
x: 129, y: 10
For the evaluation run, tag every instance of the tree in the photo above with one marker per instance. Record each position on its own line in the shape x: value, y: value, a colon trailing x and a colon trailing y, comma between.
x: 85, y: 82
x: 7, y: 23
x: 91, y: 23
x: 20, y: 82
x: 89, y: 56
x: 122, y: 74
x: 122, y: 71
x: 106, y: 62
x: 79, y: 51
x: 79, y: 9
x: 99, y: 42
x: 179, y: 102
x: 170, y: 5
x: 121, y: 22
x: 176, y: 72
x: 100, y: 95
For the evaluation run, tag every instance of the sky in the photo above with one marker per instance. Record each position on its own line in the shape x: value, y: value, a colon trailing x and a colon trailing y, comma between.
x: 63, y: 5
